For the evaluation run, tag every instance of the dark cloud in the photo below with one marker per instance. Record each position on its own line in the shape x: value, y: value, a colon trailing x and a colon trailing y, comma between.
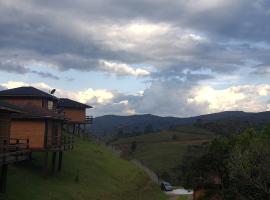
x: 183, y: 42
x: 45, y: 74
x: 62, y: 34
x: 20, y: 69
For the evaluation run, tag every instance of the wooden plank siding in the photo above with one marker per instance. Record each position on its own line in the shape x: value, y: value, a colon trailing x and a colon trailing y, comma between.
x: 23, y: 101
x: 32, y: 129
x: 5, y: 124
x: 75, y: 114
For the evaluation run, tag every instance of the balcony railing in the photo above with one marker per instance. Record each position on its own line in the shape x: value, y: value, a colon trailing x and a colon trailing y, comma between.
x: 13, y: 150
x: 89, y: 119
x: 61, y: 143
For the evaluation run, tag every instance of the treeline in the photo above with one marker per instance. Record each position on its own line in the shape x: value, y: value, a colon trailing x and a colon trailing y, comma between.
x: 128, y: 131
x: 229, y: 168
x: 228, y: 127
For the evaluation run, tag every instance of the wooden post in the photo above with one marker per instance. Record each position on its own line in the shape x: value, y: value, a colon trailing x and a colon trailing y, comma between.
x: 84, y: 131
x: 73, y: 129
x: 30, y: 155
x: 60, y: 161
x: 53, y: 161
x: 17, y: 148
x: 45, y: 166
x: 3, y: 178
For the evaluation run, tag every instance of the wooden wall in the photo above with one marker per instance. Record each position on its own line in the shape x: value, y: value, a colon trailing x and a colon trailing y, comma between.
x: 32, y: 129
x: 4, y: 124
x: 23, y: 101
x: 75, y: 114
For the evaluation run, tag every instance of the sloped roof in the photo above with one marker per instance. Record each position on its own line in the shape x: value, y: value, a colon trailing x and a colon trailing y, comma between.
x: 26, y: 92
x: 68, y: 103
x: 9, y: 107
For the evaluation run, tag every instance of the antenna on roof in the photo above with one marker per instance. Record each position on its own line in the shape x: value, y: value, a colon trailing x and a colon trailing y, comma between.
x: 53, y: 91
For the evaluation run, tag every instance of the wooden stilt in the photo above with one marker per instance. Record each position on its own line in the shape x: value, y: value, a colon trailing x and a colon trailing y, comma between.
x: 3, y: 178
x: 60, y: 161
x: 73, y: 129
x: 30, y: 155
x: 53, y: 161
x: 45, y: 166
x: 84, y: 131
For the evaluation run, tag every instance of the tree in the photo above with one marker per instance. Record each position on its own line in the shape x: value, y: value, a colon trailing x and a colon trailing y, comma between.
x: 249, y: 165
x: 241, y: 162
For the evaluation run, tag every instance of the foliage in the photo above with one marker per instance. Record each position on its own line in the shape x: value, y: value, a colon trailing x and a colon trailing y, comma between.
x: 241, y: 163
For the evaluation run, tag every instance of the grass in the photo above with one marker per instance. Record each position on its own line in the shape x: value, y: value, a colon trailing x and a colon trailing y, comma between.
x: 89, y: 172
x: 162, y: 152
x: 184, y: 197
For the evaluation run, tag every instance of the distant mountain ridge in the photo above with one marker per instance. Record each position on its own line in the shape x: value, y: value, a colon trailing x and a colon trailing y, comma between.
x: 110, y: 124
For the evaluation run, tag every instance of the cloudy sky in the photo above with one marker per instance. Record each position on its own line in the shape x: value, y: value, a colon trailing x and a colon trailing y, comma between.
x: 164, y: 57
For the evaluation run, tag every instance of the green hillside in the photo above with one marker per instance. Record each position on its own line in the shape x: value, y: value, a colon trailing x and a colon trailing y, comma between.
x: 89, y: 172
x: 162, y: 152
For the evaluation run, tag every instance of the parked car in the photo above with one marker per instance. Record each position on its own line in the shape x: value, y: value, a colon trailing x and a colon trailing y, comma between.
x: 165, y: 186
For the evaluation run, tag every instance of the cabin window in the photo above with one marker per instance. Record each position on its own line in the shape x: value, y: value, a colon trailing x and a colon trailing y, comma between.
x: 50, y: 105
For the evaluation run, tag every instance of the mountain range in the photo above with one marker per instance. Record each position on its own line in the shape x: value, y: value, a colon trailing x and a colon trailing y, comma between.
x: 110, y: 124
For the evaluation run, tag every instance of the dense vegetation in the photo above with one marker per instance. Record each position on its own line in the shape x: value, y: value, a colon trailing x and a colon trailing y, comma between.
x: 89, y: 172
x: 241, y: 162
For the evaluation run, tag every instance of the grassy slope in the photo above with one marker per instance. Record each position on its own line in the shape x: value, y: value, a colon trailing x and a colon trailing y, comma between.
x: 161, y: 153
x: 101, y: 176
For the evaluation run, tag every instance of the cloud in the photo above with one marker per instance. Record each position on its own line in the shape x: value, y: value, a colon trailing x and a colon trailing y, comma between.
x: 261, y: 70
x: 243, y: 97
x: 123, y: 69
x: 193, y: 34
x: 19, y: 68
x: 182, y: 99
x: 179, y: 49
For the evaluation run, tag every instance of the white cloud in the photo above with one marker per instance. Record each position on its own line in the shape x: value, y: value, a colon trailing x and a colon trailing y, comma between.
x: 167, y: 99
x: 243, y: 97
x: 13, y: 84
x: 90, y: 95
x: 123, y: 69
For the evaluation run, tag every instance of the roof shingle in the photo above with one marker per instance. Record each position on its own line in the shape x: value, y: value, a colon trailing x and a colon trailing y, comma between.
x: 26, y: 92
x: 68, y: 103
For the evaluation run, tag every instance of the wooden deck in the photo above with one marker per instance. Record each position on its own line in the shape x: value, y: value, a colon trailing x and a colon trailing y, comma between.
x: 13, y: 150
x: 56, y: 143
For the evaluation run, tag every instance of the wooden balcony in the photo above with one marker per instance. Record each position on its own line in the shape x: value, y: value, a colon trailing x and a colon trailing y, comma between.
x: 89, y: 119
x: 59, y: 143
x: 13, y: 150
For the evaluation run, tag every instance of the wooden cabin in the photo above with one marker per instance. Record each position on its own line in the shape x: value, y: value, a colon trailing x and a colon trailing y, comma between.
x: 75, y: 114
x: 41, y: 122
x: 11, y: 149
x: 42, y: 127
